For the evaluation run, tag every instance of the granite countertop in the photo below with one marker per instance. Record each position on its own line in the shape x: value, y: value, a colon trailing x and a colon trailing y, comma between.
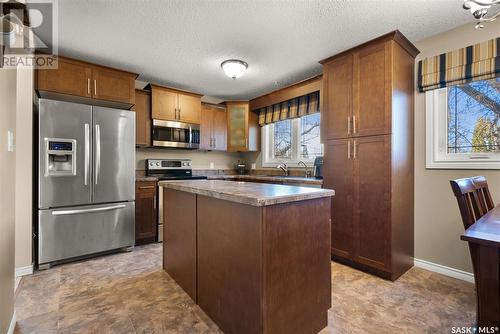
x: 273, y: 178
x: 251, y: 193
x: 145, y: 178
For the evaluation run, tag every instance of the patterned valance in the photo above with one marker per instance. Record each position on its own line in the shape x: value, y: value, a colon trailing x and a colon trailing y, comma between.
x: 296, y: 107
x: 476, y: 62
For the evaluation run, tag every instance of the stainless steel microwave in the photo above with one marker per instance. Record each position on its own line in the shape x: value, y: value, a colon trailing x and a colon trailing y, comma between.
x: 176, y: 134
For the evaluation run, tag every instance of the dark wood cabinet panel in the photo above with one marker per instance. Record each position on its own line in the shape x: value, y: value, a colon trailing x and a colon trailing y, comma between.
x: 337, y: 95
x: 142, y: 110
x: 372, y: 190
x: 112, y: 85
x: 179, y: 239
x: 371, y: 87
x: 340, y: 176
x: 364, y: 89
x: 71, y: 77
x: 146, y: 225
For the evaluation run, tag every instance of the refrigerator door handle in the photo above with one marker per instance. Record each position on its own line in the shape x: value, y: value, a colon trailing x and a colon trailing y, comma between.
x: 76, y: 212
x: 87, y: 153
x: 97, y: 152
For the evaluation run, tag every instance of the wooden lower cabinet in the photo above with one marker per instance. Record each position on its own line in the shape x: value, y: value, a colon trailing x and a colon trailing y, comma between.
x: 372, y: 220
x: 146, y: 224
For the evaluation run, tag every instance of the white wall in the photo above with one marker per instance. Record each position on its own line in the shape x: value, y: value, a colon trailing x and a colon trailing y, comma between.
x: 24, y: 157
x: 438, y: 225
x: 7, y: 197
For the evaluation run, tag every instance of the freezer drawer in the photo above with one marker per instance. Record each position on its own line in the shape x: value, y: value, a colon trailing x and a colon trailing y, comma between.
x: 76, y: 231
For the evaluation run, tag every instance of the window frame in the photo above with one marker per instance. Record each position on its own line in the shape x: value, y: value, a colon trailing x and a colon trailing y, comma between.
x: 267, y: 136
x: 436, y: 131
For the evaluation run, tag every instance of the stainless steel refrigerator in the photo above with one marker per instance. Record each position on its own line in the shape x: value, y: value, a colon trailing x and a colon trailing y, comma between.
x: 86, y: 177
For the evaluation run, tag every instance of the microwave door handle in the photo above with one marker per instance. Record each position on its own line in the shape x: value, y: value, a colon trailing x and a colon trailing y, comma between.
x: 97, y: 152
x: 86, y: 153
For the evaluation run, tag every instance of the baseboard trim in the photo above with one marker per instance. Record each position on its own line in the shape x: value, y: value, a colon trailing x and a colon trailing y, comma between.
x: 444, y: 270
x: 12, y: 325
x: 23, y: 271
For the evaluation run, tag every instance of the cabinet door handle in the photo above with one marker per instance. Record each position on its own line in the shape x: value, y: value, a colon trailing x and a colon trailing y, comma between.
x: 348, y: 125
x: 215, y: 142
x: 348, y: 149
x: 95, y: 87
x: 355, y: 155
x: 353, y: 123
x: 154, y: 202
x: 88, y: 86
x: 146, y: 187
x: 179, y: 112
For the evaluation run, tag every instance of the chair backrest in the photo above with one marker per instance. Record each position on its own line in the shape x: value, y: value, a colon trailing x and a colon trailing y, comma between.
x: 473, y: 197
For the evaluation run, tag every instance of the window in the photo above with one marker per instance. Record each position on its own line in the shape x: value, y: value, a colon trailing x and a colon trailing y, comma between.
x: 291, y: 141
x: 462, y: 126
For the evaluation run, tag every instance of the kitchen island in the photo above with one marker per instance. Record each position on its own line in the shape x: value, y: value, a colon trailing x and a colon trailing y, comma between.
x: 254, y: 256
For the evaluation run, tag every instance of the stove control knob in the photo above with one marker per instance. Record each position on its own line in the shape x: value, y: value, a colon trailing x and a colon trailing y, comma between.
x: 189, y: 164
x: 158, y: 164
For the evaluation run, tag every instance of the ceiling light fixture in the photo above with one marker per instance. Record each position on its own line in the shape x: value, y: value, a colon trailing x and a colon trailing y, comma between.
x: 479, y: 9
x: 234, y: 68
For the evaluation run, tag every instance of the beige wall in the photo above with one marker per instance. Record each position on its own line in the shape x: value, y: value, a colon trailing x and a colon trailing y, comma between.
x: 437, y: 220
x: 7, y: 199
x: 201, y: 159
x: 24, y: 156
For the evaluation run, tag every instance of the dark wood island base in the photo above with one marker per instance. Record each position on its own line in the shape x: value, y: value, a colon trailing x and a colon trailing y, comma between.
x: 252, y: 269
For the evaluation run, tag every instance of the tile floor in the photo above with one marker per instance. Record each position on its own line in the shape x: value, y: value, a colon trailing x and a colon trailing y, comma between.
x: 130, y: 293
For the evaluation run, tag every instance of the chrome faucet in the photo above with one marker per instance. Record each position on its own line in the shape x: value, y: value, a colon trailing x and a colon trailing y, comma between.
x: 307, y: 173
x: 283, y: 167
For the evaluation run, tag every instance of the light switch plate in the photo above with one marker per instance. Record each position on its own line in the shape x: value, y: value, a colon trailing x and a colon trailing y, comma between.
x: 10, y: 141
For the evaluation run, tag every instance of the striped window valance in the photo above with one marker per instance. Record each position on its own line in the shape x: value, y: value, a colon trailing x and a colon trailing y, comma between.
x: 476, y: 62
x: 296, y: 107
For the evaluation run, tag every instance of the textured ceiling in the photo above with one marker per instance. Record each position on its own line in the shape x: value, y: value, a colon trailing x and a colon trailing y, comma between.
x: 181, y: 43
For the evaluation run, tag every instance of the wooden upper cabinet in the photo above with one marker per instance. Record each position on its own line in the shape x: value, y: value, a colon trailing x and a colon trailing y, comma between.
x: 74, y: 78
x: 71, y: 77
x: 337, y: 95
x: 243, y: 132
x: 142, y: 110
x: 372, y: 91
x: 112, y: 85
x: 219, y: 128
x: 173, y: 105
x: 163, y: 103
x: 213, y: 128
x: 189, y: 108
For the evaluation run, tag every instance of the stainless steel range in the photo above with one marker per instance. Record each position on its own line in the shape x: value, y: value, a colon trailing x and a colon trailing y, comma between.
x: 169, y: 170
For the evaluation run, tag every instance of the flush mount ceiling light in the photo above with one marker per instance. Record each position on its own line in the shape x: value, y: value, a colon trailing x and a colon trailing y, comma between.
x: 479, y: 9
x: 234, y: 68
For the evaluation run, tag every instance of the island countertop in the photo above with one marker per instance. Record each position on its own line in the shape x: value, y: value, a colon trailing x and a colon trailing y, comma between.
x: 255, y: 194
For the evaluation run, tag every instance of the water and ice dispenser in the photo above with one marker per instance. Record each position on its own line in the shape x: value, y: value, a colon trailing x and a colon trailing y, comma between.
x: 60, y: 157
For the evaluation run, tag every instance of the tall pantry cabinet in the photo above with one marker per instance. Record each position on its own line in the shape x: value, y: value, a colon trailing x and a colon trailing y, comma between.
x: 367, y: 131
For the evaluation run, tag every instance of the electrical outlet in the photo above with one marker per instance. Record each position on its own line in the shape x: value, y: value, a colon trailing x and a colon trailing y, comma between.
x: 10, y: 141
x: 212, y: 165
